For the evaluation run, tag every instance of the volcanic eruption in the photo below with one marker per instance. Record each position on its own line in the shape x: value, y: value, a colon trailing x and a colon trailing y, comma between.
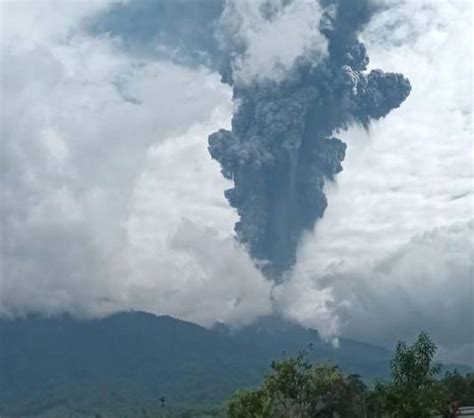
x: 282, y: 146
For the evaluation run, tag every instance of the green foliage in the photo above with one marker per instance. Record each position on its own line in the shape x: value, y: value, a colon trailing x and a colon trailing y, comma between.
x: 412, y: 366
x: 298, y: 388
x: 458, y: 389
x: 414, y: 390
x: 247, y: 403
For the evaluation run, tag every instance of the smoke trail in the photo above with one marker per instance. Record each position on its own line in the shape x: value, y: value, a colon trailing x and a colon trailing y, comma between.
x: 281, y: 148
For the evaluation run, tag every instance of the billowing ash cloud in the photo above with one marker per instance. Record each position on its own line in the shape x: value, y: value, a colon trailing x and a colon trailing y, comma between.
x: 281, y: 148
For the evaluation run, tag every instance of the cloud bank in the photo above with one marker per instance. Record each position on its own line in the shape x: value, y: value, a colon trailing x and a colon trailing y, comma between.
x: 107, y: 191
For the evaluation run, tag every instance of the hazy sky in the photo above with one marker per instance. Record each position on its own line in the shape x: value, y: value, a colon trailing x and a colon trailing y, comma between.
x: 110, y: 200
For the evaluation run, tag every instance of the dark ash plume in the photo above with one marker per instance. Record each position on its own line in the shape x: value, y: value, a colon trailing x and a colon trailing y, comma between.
x: 281, y: 148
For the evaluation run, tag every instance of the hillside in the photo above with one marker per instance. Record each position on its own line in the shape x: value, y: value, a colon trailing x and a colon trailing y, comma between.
x: 133, y: 359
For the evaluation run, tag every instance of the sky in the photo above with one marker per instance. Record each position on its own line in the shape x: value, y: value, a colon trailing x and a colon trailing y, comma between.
x: 110, y: 200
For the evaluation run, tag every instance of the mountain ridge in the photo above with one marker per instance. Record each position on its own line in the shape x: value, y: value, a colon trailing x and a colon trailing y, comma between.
x: 134, y: 358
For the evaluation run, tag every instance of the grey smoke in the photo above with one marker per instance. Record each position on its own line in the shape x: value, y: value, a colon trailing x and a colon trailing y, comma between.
x: 281, y: 149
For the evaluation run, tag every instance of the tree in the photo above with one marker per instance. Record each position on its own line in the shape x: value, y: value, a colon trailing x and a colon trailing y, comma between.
x: 458, y: 389
x: 414, y: 390
x: 248, y: 404
x: 298, y: 389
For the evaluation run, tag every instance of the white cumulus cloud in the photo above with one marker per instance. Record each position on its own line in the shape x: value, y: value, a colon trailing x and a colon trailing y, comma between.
x: 270, y: 35
x: 109, y: 198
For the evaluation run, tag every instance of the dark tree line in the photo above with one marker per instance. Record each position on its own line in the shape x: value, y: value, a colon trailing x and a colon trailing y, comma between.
x: 297, y: 388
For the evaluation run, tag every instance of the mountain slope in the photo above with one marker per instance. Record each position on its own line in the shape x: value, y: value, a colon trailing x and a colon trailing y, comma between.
x: 134, y: 358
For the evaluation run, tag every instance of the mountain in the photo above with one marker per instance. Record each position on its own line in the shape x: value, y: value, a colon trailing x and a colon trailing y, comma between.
x: 132, y: 359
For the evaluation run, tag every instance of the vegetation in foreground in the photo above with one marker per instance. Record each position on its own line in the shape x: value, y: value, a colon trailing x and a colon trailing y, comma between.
x: 297, y: 388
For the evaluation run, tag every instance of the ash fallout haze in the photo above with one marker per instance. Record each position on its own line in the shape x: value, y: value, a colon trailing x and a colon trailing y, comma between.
x: 225, y: 161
